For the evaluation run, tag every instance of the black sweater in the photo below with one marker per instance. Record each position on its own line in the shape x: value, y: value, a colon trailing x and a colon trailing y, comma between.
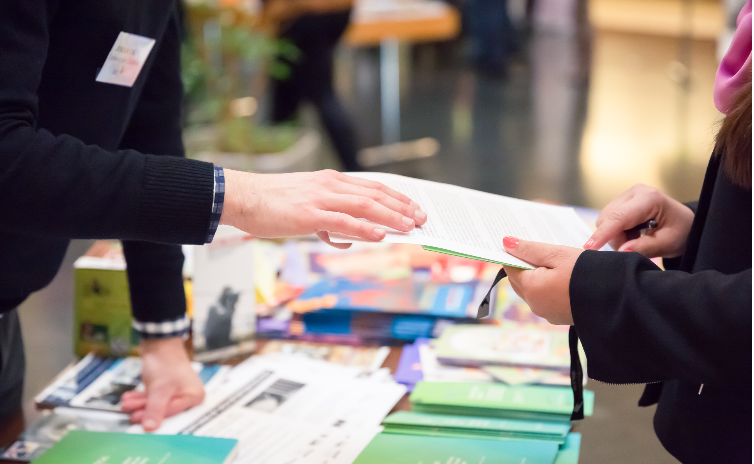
x: 678, y: 329
x: 72, y: 162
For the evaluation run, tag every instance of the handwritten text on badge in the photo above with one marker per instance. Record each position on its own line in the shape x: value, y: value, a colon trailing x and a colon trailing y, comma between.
x: 125, y: 60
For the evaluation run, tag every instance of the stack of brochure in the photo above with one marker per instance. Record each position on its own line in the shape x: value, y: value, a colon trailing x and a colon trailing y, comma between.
x: 438, y: 425
x: 99, y: 382
x: 404, y: 449
x: 545, y: 404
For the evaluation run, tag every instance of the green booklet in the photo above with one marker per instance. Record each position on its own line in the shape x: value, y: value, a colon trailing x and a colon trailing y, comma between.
x: 416, y: 423
x: 85, y: 447
x: 388, y: 448
x: 546, y: 404
x: 509, y: 344
x: 569, y: 451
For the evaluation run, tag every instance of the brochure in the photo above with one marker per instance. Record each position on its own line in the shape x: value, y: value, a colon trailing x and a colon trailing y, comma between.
x: 472, y: 224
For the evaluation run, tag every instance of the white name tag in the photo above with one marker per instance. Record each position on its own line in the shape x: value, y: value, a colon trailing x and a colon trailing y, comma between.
x: 126, y: 58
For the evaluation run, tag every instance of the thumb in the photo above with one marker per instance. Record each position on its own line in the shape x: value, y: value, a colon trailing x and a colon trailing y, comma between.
x: 535, y: 253
x: 648, y: 245
x: 157, y: 404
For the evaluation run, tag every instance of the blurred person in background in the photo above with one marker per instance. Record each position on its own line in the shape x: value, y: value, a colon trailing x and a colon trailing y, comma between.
x: 492, y: 35
x: 315, y: 28
x: 90, y: 147
x: 685, y: 331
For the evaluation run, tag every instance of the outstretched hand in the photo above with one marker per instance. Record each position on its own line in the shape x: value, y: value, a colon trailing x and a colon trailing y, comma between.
x: 545, y: 289
x: 281, y: 205
x: 171, y: 385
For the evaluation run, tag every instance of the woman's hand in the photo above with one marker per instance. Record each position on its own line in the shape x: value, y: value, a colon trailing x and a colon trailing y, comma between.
x: 545, y: 289
x: 280, y: 205
x: 171, y: 385
x: 635, y: 206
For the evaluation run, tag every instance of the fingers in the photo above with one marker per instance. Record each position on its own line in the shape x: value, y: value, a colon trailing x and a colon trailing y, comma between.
x: 378, y: 186
x: 650, y: 246
x: 329, y: 221
x: 156, y: 407
x: 325, y: 237
x: 408, y: 210
x: 618, y: 219
x: 535, y: 253
x: 133, y: 400
x: 366, y: 208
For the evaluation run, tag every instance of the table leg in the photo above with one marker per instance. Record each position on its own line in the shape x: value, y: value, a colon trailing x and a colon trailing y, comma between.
x: 390, y: 90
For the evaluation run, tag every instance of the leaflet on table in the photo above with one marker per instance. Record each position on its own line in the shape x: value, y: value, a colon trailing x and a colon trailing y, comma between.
x: 224, y: 295
x: 473, y: 223
x: 287, y: 409
x: 54, y: 424
x: 369, y: 358
x: 98, y: 383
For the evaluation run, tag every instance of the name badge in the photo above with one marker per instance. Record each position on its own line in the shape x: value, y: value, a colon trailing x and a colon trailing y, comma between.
x: 125, y: 60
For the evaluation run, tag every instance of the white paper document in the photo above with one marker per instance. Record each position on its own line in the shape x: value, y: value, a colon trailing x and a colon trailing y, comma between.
x: 290, y: 410
x: 474, y: 223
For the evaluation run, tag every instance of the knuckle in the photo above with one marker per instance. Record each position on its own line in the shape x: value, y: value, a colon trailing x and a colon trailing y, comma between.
x: 364, y: 203
x: 616, y: 216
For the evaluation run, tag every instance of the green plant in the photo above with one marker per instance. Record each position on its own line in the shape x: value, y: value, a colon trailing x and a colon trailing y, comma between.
x: 223, y: 60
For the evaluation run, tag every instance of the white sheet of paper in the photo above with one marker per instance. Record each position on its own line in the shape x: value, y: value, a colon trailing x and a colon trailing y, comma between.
x: 125, y: 60
x: 474, y: 223
x: 293, y: 410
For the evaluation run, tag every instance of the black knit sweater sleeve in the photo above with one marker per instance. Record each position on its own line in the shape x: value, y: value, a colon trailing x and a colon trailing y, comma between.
x: 57, y: 186
x: 155, y: 269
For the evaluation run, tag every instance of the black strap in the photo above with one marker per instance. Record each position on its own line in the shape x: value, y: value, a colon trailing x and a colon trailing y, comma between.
x: 577, y: 375
x: 484, y: 307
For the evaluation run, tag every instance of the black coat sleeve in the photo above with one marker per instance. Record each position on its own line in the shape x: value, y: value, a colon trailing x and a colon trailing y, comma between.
x: 57, y: 186
x: 154, y: 270
x: 639, y: 324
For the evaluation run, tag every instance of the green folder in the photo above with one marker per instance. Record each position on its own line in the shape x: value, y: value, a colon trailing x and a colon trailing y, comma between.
x: 388, y: 448
x: 85, y: 447
x: 415, y: 423
x: 545, y: 404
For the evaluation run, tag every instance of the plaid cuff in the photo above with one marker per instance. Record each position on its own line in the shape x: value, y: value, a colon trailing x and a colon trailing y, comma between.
x: 218, y: 197
x: 164, y: 329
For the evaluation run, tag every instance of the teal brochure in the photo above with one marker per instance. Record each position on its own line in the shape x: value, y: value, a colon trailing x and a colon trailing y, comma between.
x: 413, y: 449
x: 85, y: 447
x: 569, y: 451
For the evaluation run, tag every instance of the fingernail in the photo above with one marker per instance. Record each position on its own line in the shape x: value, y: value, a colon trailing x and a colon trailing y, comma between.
x: 589, y: 244
x: 420, y: 215
x: 415, y: 204
x: 407, y: 221
x: 379, y: 233
x: 149, y: 424
x: 510, y: 242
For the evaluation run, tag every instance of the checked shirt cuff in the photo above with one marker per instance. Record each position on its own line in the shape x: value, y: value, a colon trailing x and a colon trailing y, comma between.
x: 218, y: 198
x: 165, y: 329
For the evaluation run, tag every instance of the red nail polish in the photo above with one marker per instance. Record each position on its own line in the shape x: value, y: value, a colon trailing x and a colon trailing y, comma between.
x: 510, y: 242
x: 589, y: 244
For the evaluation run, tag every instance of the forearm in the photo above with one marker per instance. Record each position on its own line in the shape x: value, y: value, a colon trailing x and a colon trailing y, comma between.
x: 639, y: 324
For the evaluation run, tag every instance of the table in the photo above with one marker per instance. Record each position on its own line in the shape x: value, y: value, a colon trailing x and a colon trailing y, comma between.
x: 423, y: 21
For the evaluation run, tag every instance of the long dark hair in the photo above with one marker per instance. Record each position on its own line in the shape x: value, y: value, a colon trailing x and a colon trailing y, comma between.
x: 733, y: 141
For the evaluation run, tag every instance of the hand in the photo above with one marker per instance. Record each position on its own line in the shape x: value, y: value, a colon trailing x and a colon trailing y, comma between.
x: 545, y: 289
x: 634, y: 206
x: 280, y: 205
x: 171, y: 384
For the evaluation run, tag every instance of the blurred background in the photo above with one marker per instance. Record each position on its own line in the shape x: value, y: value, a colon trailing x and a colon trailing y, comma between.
x: 569, y: 101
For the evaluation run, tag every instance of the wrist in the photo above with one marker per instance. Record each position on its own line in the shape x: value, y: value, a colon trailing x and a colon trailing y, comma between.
x: 160, y: 347
x: 236, y: 199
